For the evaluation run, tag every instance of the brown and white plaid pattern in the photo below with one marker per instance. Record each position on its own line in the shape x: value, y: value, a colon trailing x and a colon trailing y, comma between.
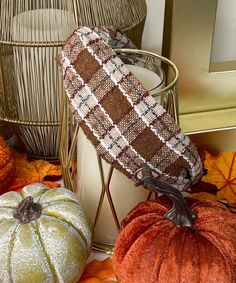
x: 124, y: 122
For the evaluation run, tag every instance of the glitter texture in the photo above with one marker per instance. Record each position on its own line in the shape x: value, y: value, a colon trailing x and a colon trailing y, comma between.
x: 52, y: 249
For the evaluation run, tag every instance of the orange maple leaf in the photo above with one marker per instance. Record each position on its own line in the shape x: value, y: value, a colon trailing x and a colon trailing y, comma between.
x: 28, y: 172
x: 99, y: 272
x: 222, y: 173
x: 34, y: 171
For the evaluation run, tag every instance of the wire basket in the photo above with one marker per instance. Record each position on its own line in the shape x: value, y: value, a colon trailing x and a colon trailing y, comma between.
x: 31, y: 36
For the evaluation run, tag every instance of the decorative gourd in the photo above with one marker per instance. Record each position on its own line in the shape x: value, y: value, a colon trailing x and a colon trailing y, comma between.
x: 45, y: 236
x: 152, y: 248
x: 7, y: 165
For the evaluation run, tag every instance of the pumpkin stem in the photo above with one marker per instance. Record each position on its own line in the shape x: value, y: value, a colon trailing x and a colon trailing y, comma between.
x: 180, y: 214
x: 27, y: 210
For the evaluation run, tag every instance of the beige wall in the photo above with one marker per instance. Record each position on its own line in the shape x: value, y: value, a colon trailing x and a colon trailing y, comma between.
x: 152, y: 36
x: 152, y: 41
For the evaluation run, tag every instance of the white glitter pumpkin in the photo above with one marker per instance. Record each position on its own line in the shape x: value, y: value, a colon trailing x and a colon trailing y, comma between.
x: 45, y: 236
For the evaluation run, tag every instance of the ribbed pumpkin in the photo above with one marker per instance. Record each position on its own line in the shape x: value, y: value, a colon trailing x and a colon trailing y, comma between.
x: 192, y: 243
x: 45, y: 236
x: 150, y: 248
x: 7, y: 165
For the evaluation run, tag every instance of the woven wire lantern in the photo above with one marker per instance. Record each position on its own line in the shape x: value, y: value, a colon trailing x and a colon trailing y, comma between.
x: 31, y: 36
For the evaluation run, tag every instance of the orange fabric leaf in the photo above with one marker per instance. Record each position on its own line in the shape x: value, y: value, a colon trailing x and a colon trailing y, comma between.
x: 204, y: 187
x: 34, y: 171
x: 99, y: 272
x: 203, y: 196
x: 28, y: 172
x: 222, y: 173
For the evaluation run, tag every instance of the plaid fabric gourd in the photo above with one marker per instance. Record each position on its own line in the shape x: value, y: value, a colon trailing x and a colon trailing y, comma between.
x: 126, y: 125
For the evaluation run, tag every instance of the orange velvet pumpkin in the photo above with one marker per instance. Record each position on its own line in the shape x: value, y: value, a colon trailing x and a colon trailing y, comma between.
x: 7, y: 164
x: 150, y: 248
x: 192, y: 243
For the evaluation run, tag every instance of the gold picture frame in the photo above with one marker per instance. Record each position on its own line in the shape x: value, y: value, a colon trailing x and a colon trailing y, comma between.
x: 207, y: 92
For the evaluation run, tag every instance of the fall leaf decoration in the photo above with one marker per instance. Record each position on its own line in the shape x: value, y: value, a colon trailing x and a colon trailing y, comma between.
x: 34, y: 171
x: 203, y: 196
x: 99, y: 272
x: 203, y: 187
x: 203, y: 191
x: 7, y: 164
x: 28, y: 172
x: 222, y: 173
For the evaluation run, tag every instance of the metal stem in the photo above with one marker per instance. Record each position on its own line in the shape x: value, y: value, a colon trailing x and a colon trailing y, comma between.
x: 180, y: 214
